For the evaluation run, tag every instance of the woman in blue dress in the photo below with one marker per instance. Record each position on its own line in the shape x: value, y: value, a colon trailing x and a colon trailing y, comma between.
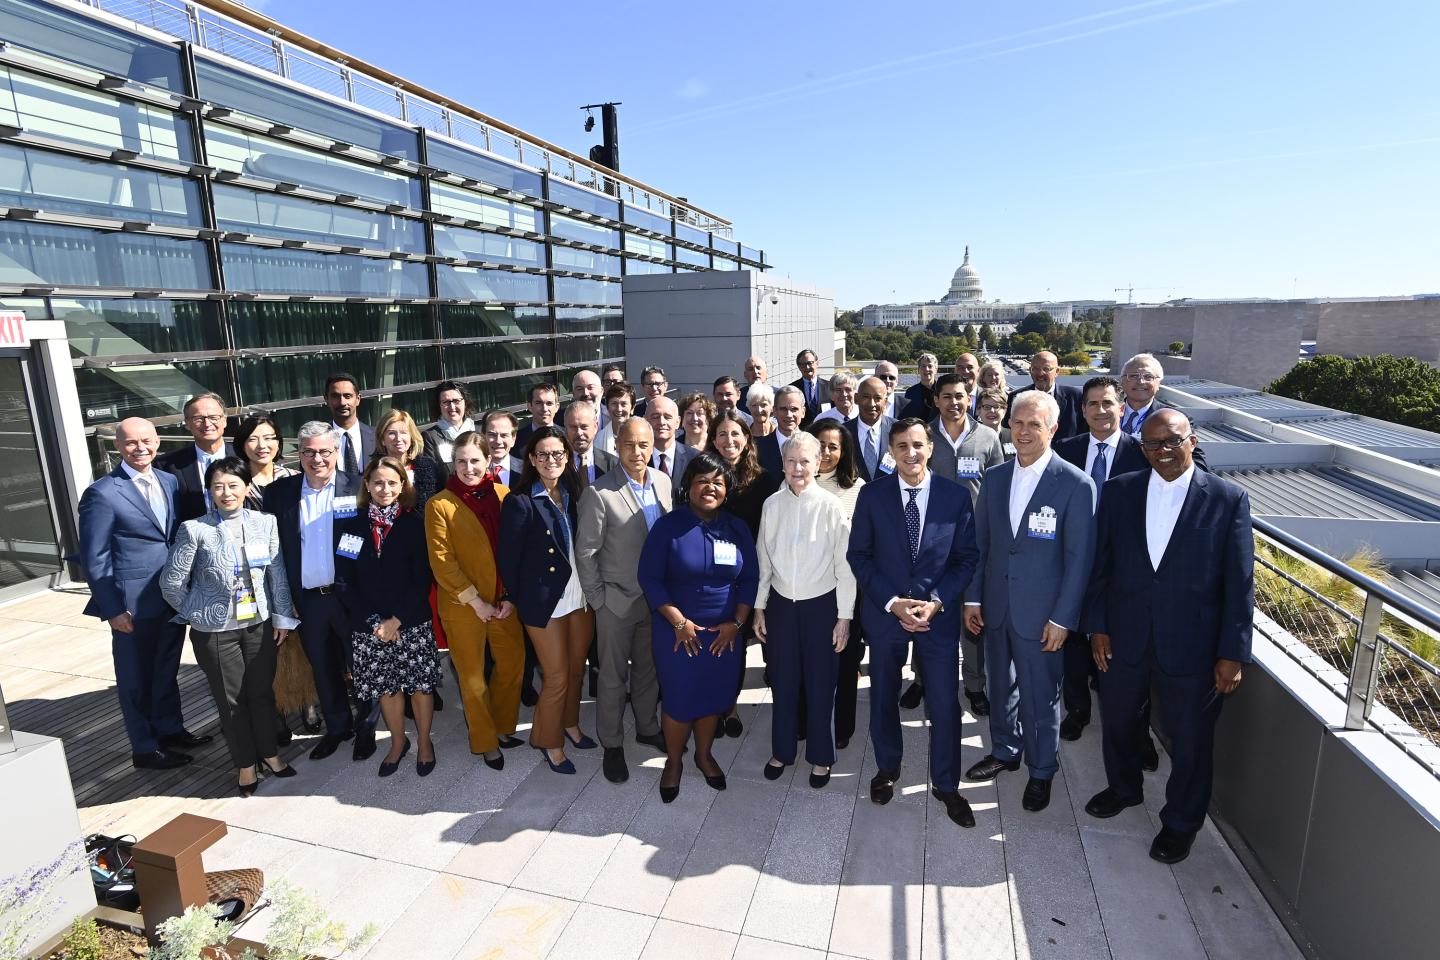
x: 699, y: 573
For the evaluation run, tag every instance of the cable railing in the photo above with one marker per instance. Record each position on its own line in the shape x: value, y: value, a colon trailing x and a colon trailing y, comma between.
x: 1378, y: 649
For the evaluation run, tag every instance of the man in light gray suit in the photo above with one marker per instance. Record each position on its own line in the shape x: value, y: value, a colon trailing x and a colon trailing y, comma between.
x: 616, y: 514
x: 1035, y: 527
x: 871, y: 430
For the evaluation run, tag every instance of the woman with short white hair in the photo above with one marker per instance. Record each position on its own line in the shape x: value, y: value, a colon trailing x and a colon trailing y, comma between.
x: 803, y: 608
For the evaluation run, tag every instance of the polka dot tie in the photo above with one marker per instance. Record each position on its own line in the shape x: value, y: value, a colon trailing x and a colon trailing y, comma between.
x: 912, y: 524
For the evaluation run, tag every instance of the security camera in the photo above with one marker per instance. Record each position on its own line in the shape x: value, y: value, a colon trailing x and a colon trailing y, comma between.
x: 774, y: 299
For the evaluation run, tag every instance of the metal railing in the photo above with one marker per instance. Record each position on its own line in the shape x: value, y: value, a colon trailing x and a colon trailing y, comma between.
x: 1383, y: 644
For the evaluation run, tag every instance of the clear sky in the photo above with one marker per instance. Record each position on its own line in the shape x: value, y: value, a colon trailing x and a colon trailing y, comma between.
x: 1204, y: 148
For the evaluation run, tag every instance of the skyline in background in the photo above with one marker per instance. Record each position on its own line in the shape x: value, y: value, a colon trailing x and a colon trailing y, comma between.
x: 1200, y: 148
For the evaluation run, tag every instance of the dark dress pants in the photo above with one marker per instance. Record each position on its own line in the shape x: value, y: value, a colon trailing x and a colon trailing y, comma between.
x: 939, y: 656
x: 325, y: 634
x: 847, y: 680
x: 1079, y: 668
x: 147, y: 683
x: 802, y: 658
x: 240, y: 666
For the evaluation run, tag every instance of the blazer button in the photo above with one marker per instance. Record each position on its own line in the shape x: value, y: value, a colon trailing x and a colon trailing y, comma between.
x: 551, y: 550
x: 552, y: 569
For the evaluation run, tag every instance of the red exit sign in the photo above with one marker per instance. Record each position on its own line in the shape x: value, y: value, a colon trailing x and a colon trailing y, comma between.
x: 12, y: 329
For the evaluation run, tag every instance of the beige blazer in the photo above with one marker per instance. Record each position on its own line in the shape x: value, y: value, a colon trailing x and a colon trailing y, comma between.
x: 611, y: 534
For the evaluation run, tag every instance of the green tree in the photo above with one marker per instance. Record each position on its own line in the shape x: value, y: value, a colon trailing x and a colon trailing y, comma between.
x: 937, y: 326
x: 1038, y: 322
x: 1027, y: 343
x: 986, y: 334
x: 1399, y: 389
x: 1177, y: 346
x: 1075, y: 358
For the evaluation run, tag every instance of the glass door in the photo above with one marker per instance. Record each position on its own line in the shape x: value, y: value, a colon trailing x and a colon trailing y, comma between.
x: 29, y: 547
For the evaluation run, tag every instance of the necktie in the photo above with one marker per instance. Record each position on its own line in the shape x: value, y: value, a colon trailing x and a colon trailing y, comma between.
x: 155, y: 498
x: 494, y: 473
x: 352, y: 460
x: 1097, y: 469
x: 871, y: 455
x: 664, y: 467
x: 912, y: 523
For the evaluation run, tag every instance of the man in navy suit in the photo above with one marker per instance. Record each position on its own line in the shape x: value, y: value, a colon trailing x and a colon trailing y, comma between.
x: 1044, y: 369
x: 912, y: 547
x: 127, y: 523
x: 307, y: 507
x: 871, y: 430
x: 205, y: 419
x: 669, y: 455
x: 754, y: 373
x: 499, y: 428
x: 1035, y: 527
x: 1171, y: 603
x: 357, y: 439
x: 790, y: 414
x: 814, y: 391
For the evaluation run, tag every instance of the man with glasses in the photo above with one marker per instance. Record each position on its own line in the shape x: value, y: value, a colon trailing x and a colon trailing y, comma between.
x: 813, y: 391
x: 842, y: 399
x: 1170, y: 604
x: 307, y: 507
x: 1140, y: 379
x: 889, y: 374
x: 653, y: 383
x: 499, y: 429
x: 205, y: 419
x: 611, y: 374
x: 1044, y: 374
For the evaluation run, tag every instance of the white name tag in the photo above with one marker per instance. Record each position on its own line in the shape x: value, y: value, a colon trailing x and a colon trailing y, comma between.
x: 726, y: 554
x: 887, y: 463
x: 967, y: 467
x: 257, y: 556
x: 350, y: 546
x: 1008, y: 449
x: 1042, y: 524
x: 344, y: 506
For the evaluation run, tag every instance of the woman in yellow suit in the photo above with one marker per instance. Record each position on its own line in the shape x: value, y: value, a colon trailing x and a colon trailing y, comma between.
x: 462, y: 523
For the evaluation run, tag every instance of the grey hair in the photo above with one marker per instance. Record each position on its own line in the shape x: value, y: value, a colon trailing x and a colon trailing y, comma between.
x: 803, y: 443
x: 789, y: 388
x: 841, y: 380
x: 758, y: 390
x: 1049, y: 404
x: 995, y: 365
x: 928, y: 356
x: 581, y: 407
x: 319, y: 428
x: 1146, y: 358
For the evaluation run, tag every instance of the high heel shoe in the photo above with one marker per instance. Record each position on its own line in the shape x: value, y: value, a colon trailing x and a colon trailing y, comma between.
x: 387, y: 768
x: 584, y: 743
x: 496, y: 764
x: 508, y: 742
x: 716, y: 782
x: 311, y: 720
x: 248, y: 789
x: 283, y: 773
x: 564, y: 766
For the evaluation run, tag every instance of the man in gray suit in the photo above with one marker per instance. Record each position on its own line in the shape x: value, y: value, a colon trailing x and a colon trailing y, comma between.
x: 871, y: 430
x: 616, y: 514
x: 1035, y: 527
x: 581, y: 425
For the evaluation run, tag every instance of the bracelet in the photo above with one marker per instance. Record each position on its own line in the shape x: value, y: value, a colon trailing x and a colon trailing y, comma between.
x: 677, y: 627
x: 739, y: 624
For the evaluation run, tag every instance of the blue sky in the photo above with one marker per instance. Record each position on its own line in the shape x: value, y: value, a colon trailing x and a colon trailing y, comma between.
x: 1205, y: 148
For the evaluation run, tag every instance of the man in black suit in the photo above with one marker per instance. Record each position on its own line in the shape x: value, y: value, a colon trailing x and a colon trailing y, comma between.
x: 499, y: 427
x: 591, y: 462
x: 1171, y: 603
x: 205, y: 419
x: 653, y: 383
x: 754, y: 373
x: 1044, y: 369
x: 669, y: 456
x: 307, y: 508
x: 544, y: 404
x: 790, y: 413
x: 357, y: 440
x: 814, y: 391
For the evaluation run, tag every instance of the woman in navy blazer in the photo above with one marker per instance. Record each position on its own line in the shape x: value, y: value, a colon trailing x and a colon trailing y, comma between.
x: 537, y: 565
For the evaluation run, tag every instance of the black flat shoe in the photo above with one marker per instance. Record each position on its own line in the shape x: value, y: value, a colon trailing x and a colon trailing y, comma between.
x: 912, y: 696
x: 1107, y: 803
x: 654, y: 741
x: 1171, y: 846
x: 388, y: 769
x: 668, y: 794
x: 1037, y: 795
x: 717, y: 782
x: 957, y: 808
x: 497, y: 764
x: 818, y: 780
x: 733, y: 727
x: 882, y: 786
x: 614, y: 766
x: 364, y: 744
x: 510, y: 743
x: 989, y: 768
x: 425, y: 767
x: 773, y: 772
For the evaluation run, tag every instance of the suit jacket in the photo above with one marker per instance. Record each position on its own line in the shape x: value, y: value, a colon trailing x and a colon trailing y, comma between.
x: 534, y: 551
x: 123, y: 548
x: 199, y: 577
x: 517, y: 466
x: 462, y: 558
x: 604, y: 463
x: 919, y: 403
x: 1128, y: 456
x: 822, y: 395
x: 611, y: 535
x: 1072, y: 410
x: 425, y: 474
x: 882, y: 447
x: 1199, y: 605
x: 880, y: 554
x: 523, y: 437
x: 983, y: 444
x: 683, y: 454
x: 367, y: 446
x: 768, y: 449
x: 432, y: 439
x: 183, y: 464
x: 1031, y: 579
x: 393, y: 583
x: 282, y: 498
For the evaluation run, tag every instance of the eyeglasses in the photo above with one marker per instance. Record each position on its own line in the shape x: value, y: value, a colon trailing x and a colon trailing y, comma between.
x: 887, y: 376
x: 317, y: 454
x: 211, y: 418
x: 1172, y: 443
x: 557, y: 456
x: 1141, y: 377
x: 993, y: 407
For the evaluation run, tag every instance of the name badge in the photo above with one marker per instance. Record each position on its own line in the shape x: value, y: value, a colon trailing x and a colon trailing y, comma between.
x: 1042, y: 524
x: 257, y: 556
x: 1008, y: 449
x: 726, y: 554
x: 349, y: 546
x: 968, y: 467
x: 245, y: 606
x: 887, y: 463
x: 344, y: 507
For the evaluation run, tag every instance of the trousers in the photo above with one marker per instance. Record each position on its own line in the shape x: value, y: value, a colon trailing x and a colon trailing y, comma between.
x: 240, y: 666
x: 626, y: 662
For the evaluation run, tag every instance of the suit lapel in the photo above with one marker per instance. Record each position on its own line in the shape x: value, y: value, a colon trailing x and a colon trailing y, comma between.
x: 128, y: 491
x: 1043, y: 494
x: 1000, y: 506
x: 1194, y: 503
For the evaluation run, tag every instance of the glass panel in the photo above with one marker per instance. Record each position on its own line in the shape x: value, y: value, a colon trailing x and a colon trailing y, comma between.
x: 149, y: 390
x: 74, y: 256
x: 472, y: 283
x: 278, y: 379
x: 276, y: 215
x: 260, y: 323
x: 634, y: 243
x: 647, y: 220
x: 686, y: 232
x: 640, y: 267
x: 588, y: 320
x: 721, y: 263
x: 750, y: 253
x: 466, y: 320
x: 571, y: 290
x: 493, y: 247
x: 55, y: 109
x: 485, y: 169
x: 250, y: 153
x: 564, y: 193
x: 127, y: 328
x: 91, y: 44
x: 55, y: 182
x: 568, y: 258
x: 297, y: 109
x: 475, y: 359
x: 724, y: 245
x: 458, y: 202
x: 507, y: 392
x: 589, y: 350
x: 686, y: 255
x: 265, y: 270
x: 28, y: 545
x: 582, y: 232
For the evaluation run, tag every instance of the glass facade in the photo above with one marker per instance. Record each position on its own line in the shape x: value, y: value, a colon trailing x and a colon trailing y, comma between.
x: 200, y: 224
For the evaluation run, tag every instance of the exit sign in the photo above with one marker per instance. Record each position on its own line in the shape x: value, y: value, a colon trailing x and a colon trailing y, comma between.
x: 12, y: 329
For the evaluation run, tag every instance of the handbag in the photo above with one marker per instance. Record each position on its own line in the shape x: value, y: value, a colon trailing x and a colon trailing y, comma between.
x: 111, y: 871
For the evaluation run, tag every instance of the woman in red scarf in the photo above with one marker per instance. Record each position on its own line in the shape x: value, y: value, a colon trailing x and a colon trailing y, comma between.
x: 461, y: 525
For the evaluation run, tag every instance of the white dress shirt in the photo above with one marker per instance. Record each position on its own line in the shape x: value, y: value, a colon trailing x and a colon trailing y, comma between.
x: 1022, y: 488
x: 669, y: 454
x: 922, y: 501
x: 801, y: 549
x: 955, y: 444
x: 504, y: 470
x: 605, y: 439
x: 147, y: 484
x: 1113, y: 442
x: 835, y: 413
x: 317, y: 534
x: 1163, y: 501
x: 354, y: 434
x: 882, y: 444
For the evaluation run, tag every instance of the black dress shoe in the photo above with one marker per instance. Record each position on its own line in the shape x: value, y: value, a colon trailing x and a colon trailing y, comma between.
x: 957, y: 808
x: 160, y: 760
x: 773, y: 772
x: 655, y: 741
x: 184, y: 740
x: 1073, y: 725
x: 989, y: 768
x: 364, y: 744
x: 284, y: 773
x: 668, y: 794
x: 882, y: 786
x: 614, y: 766
x: 1037, y: 795
x: 818, y: 780
x: 435, y: 697
x: 328, y: 745
x: 733, y: 727
x: 387, y: 768
x: 979, y: 704
x: 510, y: 743
x: 424, y: 768
x: 1171, y: 846
x: 841, y: 743
x: 1107, y: 803
x: 311, y: 721
x: 529, y: 695
x: 1149, y: 758
x: 716, y: 782
x: 913, y: 694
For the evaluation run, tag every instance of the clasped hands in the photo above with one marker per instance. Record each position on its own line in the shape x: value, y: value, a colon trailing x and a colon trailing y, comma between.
x: 486, y: 612
x: 915, y: 616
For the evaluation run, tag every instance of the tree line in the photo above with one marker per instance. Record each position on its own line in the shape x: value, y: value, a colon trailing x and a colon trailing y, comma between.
x: 1036, y: 332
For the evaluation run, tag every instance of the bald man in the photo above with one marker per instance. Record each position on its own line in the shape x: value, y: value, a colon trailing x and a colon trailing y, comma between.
x: 668, y: 455
x: 127, y: 523
x: 586, y: 386
x: 967, y: 368
x: 1044, y: 374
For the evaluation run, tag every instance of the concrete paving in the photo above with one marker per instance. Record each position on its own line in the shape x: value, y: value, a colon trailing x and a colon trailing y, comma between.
x: 472, y: 862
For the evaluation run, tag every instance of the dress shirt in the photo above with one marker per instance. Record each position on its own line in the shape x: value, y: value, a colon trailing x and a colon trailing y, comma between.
x: 202, y: 464
x: 645, y: 496
x: 353, y: 438
x: 317, y: 534
x: 1163, y: 500
x: 955, y: 444
x: 1112, y: 441
x: 1132, y: 420
x: 882, y: 444
x: 150, y: 490
x: 922, y: 500
x: 669, y: 455
x: 801, y: 548
x: 502, y: 472
x: 781, y: 440
x: 585, y: 465
x: 1022, y: 488
x: 834, y: 413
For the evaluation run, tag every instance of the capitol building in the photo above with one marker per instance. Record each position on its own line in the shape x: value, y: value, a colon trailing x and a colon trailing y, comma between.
x: 964, y: 303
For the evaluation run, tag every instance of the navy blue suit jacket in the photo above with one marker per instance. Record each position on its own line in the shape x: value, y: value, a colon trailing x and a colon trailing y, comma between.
x: 1072, y: 411
x: 1128, y: 455
x: 879, y: 553
x: 123, y: 548
x: 282, y: 498
x: 394, y: 583
x: 182, y: 465
x: 1199, y: 606
x: 532, y: 555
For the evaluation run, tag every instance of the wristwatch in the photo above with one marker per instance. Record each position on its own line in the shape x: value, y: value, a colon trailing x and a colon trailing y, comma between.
x: 739, y: 624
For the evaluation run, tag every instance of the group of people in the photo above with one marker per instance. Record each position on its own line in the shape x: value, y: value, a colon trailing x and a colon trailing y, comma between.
x: 1018, y: 546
